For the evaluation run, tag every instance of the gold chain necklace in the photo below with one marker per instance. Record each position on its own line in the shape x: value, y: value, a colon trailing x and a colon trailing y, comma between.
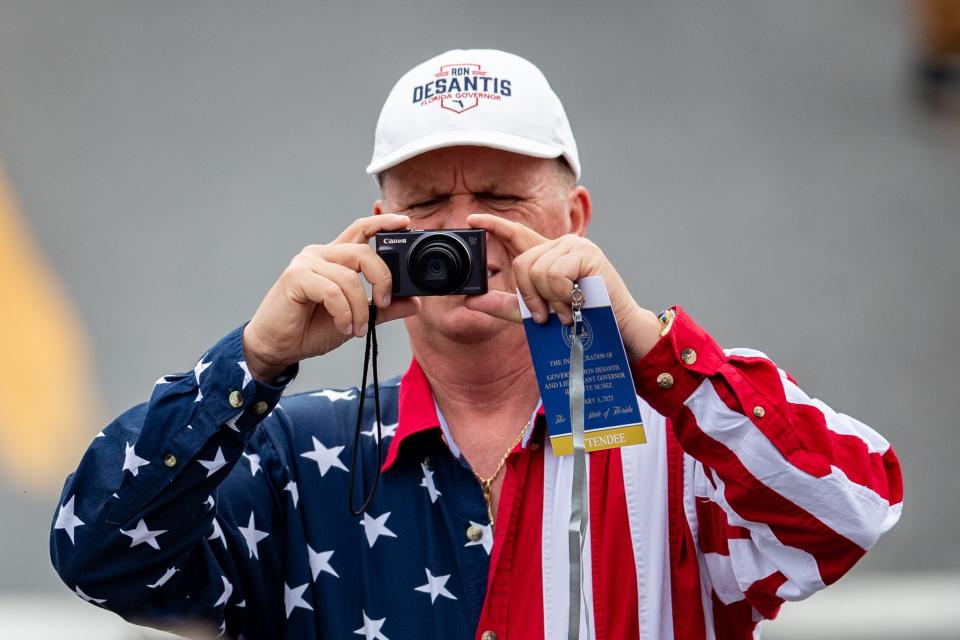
x: 487, y: 483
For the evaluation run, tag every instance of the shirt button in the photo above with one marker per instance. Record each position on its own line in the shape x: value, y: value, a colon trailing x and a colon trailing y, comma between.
x: 689, y: 356
x: 236, y: 399
x: 261, y: 407
x: 664, y: 380
x: 759, y: 411
x: 489, y: 635
x: 170, y: 460
x: 475, y: 534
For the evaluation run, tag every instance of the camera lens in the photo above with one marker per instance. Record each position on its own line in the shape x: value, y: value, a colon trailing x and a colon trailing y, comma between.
x: 439, y: 263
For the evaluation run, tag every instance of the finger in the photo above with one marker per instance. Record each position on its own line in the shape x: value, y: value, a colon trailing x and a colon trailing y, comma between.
x: 309, y: 286
x: 352, y: 289
x: 562, y: 274
x: 362, y: 258
x: 564, y: 312
x: 535, y: 302
x: 540, y: 265
x: 399, y: 308
x: 363, y: 229
x: 554, y: 274
x: 516, y: 237
x: 528, y: 291
x: 498, y: 304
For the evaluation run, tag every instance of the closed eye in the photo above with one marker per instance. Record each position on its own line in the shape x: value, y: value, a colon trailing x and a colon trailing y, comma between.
x: 499, y: 200
x: 427, y: 204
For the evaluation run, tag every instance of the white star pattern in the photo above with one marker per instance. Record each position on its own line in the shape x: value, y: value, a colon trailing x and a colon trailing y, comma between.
x: 294, y: 493
x: 161, y: 380
x: 436, y: 587
x: 217, y: 533
x: 131, y: 461
x: 254, y: 461
x: 164, y: 578
x: 371, y: 628
x: 142, y: 534
x: 212, y: 466
x: 247, y: 378
x: 80, y: 593
x: 66, y: 519
x: 486, y: 540
x: 252, y: 536
x: 232, y: 422
x: 387, y: 430
x: 428, y: 483
x: 293, y: 598
x: 320, y: 562
x: 324, y: 457
x: 197, y: 370
x: 227, y: 591
x: 200, y: 368
x: 210, y: 503
x: 333, y: 396
x: 376, y: 527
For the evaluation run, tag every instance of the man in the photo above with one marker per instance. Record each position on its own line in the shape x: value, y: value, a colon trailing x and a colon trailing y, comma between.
x: 214, y: 502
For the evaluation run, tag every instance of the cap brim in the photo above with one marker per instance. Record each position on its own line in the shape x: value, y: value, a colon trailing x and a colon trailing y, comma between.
x: 492, y: 139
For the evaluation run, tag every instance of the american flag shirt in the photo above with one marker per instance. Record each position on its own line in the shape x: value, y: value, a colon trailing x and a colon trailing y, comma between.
x: 218, y: 502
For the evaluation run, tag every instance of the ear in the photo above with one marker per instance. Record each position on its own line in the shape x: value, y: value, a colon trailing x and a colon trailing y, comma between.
x: 377, y: 207
x: 580, y: 209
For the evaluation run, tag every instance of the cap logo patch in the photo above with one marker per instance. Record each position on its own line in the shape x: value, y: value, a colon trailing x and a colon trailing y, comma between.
x: 461, y: 87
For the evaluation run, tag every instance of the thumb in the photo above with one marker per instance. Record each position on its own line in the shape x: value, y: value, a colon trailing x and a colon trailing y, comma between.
x: 498, y: 304
x: 399, y: 308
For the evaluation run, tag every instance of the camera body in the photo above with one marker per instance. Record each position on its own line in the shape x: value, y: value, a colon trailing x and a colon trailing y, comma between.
x: 435, y: 263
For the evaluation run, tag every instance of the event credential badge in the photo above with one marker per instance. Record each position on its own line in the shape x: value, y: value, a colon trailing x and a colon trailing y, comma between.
x: 611, y: 413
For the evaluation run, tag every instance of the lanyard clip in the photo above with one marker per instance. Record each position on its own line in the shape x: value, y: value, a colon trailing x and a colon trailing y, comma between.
x: 577, y: 304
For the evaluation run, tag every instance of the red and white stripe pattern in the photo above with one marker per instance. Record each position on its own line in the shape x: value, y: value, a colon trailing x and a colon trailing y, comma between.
x: 725, y: 513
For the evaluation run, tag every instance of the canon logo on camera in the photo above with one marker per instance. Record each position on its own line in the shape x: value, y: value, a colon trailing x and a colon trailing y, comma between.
x: 394, y: 241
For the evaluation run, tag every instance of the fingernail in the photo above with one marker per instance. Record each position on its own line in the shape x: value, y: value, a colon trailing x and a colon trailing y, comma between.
x: 537, y: 317
x: 385, y: 300
x: 363, y: 330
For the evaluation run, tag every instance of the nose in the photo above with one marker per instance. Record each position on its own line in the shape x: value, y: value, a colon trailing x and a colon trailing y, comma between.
x: 459, y: 207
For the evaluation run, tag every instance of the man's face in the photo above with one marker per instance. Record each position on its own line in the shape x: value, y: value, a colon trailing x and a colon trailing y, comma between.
x: 439, y: 189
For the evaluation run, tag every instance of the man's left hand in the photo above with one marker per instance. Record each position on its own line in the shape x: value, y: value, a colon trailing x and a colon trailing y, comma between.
x: 545, y: 271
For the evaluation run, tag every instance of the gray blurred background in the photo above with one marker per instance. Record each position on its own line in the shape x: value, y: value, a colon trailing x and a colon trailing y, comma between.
x: 764, y: 164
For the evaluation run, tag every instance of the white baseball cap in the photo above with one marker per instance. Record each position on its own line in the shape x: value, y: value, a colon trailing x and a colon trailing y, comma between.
x: 479, y: 97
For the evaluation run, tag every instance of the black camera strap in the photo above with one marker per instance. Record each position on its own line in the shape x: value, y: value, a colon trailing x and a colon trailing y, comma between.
x: 371, y: 348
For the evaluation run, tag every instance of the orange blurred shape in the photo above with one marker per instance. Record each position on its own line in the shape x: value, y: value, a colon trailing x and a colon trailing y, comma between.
x: 49, y: 407
x: 939, y: 23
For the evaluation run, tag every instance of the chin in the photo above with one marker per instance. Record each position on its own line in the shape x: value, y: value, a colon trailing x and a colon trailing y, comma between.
x: 446, y: 316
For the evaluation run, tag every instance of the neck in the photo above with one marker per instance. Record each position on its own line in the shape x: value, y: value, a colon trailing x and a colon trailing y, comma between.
x: 486, y: 391
x: 465, y: 376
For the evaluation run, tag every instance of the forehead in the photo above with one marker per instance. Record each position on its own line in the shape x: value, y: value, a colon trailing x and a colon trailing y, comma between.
x: 474, y: 168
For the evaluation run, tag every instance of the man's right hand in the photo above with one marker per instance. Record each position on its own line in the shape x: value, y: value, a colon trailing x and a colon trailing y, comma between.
x: 319, y: 301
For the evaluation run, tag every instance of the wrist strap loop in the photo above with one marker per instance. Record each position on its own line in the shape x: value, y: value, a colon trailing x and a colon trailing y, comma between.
x: 371, y: 349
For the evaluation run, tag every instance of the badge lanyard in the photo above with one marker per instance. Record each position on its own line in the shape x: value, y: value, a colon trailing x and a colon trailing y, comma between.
x: 577, y: 529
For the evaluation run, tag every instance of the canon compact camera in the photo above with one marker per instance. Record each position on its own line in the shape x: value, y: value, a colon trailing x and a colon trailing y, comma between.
x: 435, y: 263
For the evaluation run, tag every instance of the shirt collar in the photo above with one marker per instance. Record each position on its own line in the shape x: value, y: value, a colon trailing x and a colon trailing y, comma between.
x: 417, y: 413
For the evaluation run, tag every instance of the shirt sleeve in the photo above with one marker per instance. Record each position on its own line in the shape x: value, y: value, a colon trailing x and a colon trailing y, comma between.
x: 174, y: 497
x: 788, y: 493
